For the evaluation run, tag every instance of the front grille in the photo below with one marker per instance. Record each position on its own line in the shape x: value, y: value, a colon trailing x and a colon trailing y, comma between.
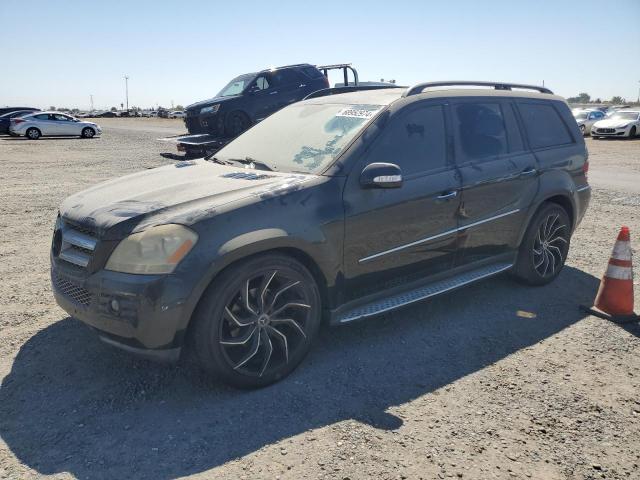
x: 75, y: 293
x: 606, y: 130
x: 77, y: 244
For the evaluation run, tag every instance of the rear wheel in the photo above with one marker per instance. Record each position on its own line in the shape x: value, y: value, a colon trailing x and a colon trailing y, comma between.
x: 33, y: 133
x: 583, y: 130
x: 544, y: 247
x: 257, y: 321
x: 88, y: 132
x: 632, y: 132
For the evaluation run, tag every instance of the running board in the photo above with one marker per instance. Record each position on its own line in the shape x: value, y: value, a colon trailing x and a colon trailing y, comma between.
x: 421, y: 293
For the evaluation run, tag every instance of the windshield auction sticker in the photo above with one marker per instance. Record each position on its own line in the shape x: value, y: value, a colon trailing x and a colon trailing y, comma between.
x: 359, y: 111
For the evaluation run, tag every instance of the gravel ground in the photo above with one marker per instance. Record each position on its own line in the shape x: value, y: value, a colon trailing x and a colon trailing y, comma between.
x: 516, y: 383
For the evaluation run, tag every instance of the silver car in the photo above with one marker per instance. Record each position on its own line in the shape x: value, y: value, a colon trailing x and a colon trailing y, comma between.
x: 586, y: 119
x: 47, y: 124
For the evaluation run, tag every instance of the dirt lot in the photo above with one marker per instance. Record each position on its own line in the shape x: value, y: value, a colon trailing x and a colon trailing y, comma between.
x: 459, y: 387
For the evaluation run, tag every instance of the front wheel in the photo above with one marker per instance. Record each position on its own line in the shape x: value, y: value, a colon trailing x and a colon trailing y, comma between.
x: 632, y: 132
x: 545, y: 245
x: 257, y: 321
x: 583, y: 130
x: 88, y: 132
x: 236, y: 123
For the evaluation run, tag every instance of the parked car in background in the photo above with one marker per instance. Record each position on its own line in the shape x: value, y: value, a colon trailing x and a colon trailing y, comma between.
x: 50, y: 124
x: 6, y: 117
x: 4, y: 110
x: 624, y: 123
x: 177, y: 114
x: 250, y: 97
x: 342, y: 206
x: 586, y: 118
x: 107, y: 114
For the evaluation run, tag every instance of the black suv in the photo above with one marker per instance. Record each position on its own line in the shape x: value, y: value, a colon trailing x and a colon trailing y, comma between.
x: 249, y: 98
x: 340, y: 207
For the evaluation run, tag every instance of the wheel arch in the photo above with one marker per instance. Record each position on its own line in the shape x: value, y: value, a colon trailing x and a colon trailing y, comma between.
x: 563, y: 199
x: 236, y: 250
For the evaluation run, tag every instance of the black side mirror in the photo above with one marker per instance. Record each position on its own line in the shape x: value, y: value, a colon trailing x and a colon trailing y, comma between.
x: 381, y: 175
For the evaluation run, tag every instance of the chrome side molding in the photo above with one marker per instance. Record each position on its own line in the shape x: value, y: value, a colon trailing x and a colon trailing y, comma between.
x: 435, y: 237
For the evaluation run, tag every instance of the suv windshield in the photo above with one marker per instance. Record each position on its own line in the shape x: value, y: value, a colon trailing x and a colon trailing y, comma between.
x: 625, y: 116
x: 237, y: 85
x: 301, y: 138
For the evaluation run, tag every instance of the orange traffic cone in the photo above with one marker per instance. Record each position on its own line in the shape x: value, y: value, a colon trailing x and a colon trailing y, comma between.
x: 615, y: 296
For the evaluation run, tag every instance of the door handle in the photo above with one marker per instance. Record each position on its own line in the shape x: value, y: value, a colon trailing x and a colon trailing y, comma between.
x: 273, y: 93
x: 528, y: 172
x: 447, y: 195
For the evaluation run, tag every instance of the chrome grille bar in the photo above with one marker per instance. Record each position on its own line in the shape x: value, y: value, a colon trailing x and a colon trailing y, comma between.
x: 75, y: 257
x: 79, y: 239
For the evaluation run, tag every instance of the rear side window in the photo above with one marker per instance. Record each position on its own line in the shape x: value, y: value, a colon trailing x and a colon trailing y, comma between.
x: 311, y: 72
x: 544, y: 126
x: 415, y: 141
x: 480, y: 129
x: 42, y: 116
x: 284, y: 77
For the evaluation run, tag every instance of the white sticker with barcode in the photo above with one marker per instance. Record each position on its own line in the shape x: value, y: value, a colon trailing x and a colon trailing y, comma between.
x: 355, y: 112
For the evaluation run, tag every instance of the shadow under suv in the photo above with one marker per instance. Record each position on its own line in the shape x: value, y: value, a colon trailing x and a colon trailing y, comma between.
x: 341, y: 206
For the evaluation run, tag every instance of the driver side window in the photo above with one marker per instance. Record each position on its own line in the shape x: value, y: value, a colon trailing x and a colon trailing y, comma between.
x: 262, y: 83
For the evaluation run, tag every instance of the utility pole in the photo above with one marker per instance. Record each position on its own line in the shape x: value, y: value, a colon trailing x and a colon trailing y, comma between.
x: 126, y: 88
x: 639, y: 92
x: 91, y: 100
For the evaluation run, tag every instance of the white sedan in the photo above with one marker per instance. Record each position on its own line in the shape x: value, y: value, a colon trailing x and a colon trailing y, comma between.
x: 177, y: 114
x: 621, y: 124
x: 52, y: 124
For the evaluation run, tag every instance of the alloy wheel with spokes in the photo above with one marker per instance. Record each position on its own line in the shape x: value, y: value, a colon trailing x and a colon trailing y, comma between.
x: 548, y: 246
x: 545, y: 245
x: 258, y: 321
x: 264, y: 323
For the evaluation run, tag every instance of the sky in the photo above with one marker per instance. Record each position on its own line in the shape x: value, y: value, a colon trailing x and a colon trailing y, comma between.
x: 58, y: 53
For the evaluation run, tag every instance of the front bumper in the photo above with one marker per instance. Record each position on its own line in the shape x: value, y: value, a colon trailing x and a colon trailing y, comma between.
x: 142, y: 314
x: 610, y: 132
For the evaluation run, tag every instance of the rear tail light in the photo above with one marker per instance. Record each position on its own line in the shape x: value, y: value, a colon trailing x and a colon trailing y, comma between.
x: 585, y: 168
x: 17, y: 120
x: 326, y: 81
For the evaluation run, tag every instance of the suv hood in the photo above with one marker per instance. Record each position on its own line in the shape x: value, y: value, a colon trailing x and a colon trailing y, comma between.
x: 185, y: 193
x: 211, y: 101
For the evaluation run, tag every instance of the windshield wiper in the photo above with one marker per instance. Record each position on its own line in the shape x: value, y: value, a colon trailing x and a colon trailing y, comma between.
x: 211, y: 158
x: 252, y: 162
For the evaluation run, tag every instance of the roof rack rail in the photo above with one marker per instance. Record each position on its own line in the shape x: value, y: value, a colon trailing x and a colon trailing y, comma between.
x: 416, y: 89
x: 345, y: 89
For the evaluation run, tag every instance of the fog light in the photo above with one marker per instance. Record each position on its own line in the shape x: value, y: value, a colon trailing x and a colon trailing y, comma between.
x: 115, y: 305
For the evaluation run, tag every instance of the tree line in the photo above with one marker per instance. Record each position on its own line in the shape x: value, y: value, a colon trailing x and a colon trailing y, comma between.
x: 586, y: 98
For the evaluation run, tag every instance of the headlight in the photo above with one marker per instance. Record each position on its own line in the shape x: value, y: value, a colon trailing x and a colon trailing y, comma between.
x: 210, y: 109
x: 157, y: 250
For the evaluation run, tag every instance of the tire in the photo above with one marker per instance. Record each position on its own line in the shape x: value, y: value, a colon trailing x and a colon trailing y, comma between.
x: 544, y: 247
x: 236, y: 123
x: 256, y: 322
x: 583, y: 130
x: 632, y: 132
x: 33, y: 133
x: 88, y: 132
